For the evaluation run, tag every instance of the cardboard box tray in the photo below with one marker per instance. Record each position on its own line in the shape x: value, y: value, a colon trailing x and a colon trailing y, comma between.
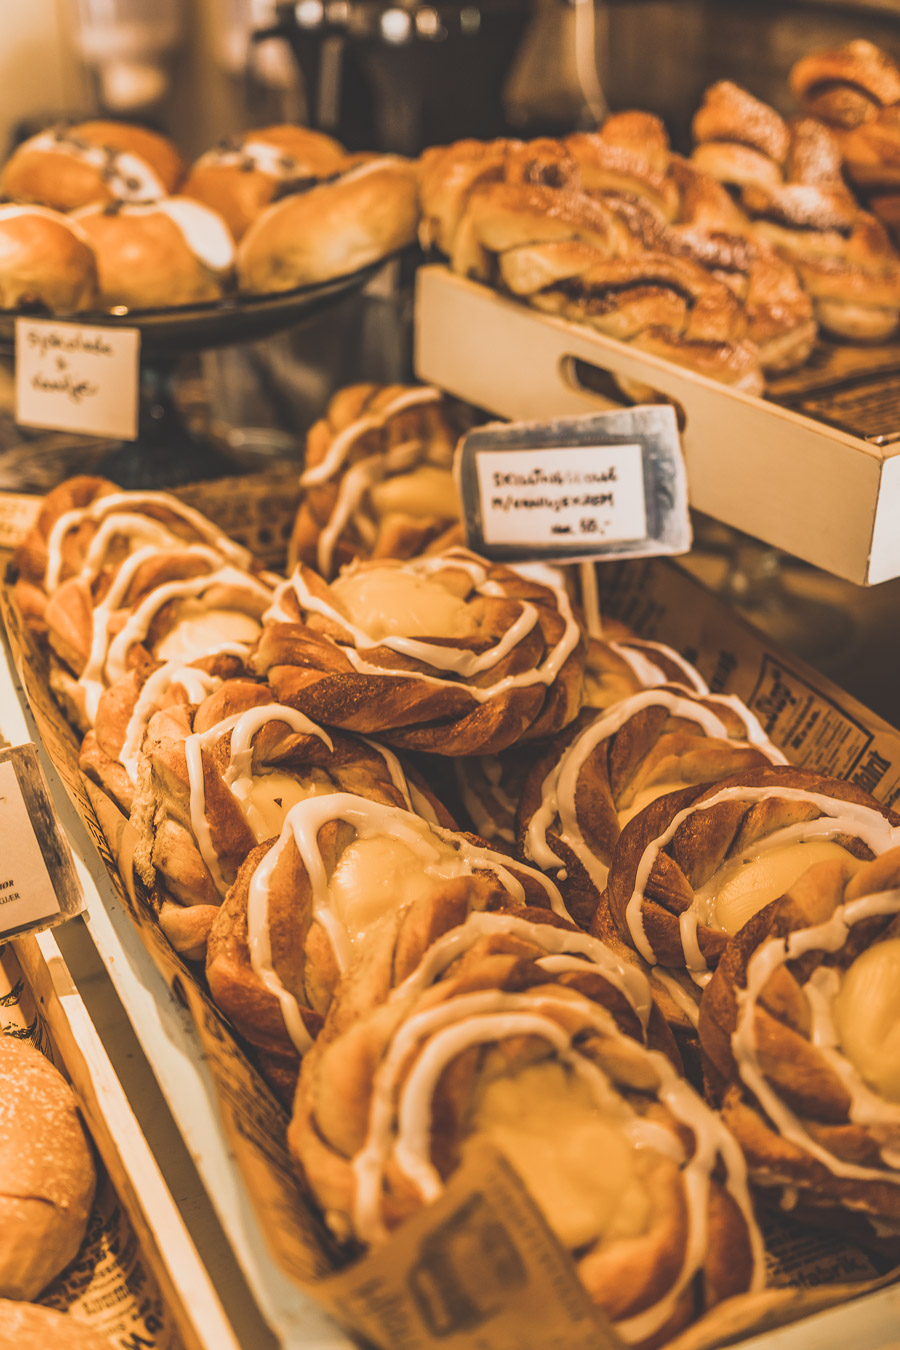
x: 816, y: 474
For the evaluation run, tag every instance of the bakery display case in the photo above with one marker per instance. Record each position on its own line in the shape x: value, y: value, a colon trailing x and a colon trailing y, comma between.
x: 473, y: 953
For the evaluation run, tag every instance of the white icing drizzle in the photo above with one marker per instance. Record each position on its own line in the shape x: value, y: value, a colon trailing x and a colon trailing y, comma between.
x: 560, y: 943
x: 455, y: 661
x: 679, y: 996
x: 106, y: 662
x: 238, y: 776
x: 638, y: 653
x: 838, y: 817
x: 867, y: 1107
x: 370, y: 820
x: 197, y: 685
x: 400, y: 1116
x: 126, y: 504
x: 339, y: 449
x: 559, y: 787
x: 128, y: 176
x: 416, y: 801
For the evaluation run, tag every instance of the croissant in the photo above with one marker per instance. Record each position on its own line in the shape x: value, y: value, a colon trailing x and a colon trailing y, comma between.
x: 220, y: 778
x: 633, y: 1173
x: 378, y: 480
x: 300, y: 907
x: 448, y: 653
x: 693, y: 867
x: 595, y: 776
x: 799, y: 1026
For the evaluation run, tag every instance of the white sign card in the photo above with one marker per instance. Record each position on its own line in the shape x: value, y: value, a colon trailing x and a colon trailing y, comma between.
x: 38, y: 883
x: 577, y: 488
x: 70, y: 377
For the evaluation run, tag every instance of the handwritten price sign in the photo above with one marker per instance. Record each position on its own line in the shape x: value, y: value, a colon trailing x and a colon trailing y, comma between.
x: 71, y: 378
x: 607, y: 485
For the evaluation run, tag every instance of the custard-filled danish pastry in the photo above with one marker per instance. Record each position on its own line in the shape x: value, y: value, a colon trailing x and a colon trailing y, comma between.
x: 607, y: 767
x: 124, y: 580
x: 220, y: 778
x: 801, y: 1028
x: 100, y: 161
x: 633, y: 1173
x: 378, y: 479
x: 304, y: 903
x: 245, y: 173
x: 692, y: 868
x: 449, y: 653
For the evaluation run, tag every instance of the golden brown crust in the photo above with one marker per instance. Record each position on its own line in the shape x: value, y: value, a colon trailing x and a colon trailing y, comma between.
x: 48, y: 1172
x: 45, y: 262
x: 314, y: 662
x: 146, y: 261
x: 333, y: 229
x: 377, y: 481
x: 846, y: 85
x: 238, y: 181
x: 819, y: 1154
x: 702, y: 842
x: 61, y: 177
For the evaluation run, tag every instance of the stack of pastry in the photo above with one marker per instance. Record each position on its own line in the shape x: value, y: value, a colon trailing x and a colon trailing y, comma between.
x: 789, y: 180
x: 855, y: 90
x: 106, y: 215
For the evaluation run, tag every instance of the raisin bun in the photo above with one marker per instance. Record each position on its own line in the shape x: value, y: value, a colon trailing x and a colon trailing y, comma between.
x: 100, y: 161
x: 244, y: 174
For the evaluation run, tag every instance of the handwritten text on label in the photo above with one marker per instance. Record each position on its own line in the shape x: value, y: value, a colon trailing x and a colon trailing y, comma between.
x: 73, y: 378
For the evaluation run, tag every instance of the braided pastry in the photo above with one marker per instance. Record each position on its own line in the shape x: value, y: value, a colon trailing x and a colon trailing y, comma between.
x: 800, y: 1027
x: 695, y: 866
x: 595, y: 776
x: 378, y: 480
x: 518, y: 1047
x: 118, y: 580
x: 790, y: 183
x: 449, y: 653
x: 302, y: 904
x: 220, y: 778
x: 856, y: 90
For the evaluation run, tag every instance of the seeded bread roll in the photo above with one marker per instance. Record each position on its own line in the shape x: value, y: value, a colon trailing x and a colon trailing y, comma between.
x: 47, y: 1171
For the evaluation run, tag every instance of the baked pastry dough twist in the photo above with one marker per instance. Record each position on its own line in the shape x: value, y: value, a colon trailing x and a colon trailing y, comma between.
x: 378, y: 479
x: 518, y: 1048
x: 304, y: 903
x: 601, y: 772
x: 800, y: 1028
x: 693, y: 867
x: 448, y: 653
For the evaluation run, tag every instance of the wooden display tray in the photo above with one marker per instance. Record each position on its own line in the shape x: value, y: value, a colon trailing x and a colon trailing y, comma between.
x: 820, y: 492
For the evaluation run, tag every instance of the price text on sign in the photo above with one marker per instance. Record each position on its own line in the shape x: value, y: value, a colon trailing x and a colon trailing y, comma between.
x: 38, y: 883
x: 74, y: 378
x: 577, y: 488
x: 566, y: 494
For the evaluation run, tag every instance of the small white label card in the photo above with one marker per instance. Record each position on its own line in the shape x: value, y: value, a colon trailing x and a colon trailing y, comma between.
x: 577, y: 488
x: 38, y: 883
x: 73, y: 378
